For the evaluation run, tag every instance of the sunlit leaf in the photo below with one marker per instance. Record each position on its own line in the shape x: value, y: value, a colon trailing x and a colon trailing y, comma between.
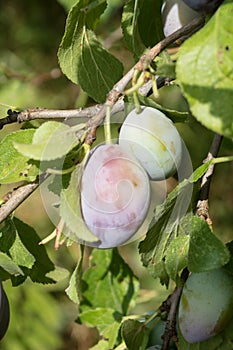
x: 15, y: 166
x: 206, y: 251
x: 204, y: 71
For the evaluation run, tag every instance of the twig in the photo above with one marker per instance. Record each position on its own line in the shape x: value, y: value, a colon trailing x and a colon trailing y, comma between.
x: 120, y: 86
x: 203, y: 202
x: 171, y: 305
x: 19, y: 195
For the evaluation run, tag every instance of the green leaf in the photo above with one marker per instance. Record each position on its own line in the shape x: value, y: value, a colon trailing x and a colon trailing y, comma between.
x: 98, y: 70
x: 20, y: 255
x: 70, y: 209
x: 206, y: 251
x: 107, y: 321
x: 164, y: 226
x: 74, y: 289
x: 82, y: 58
x: 135, y: 334
x: 130, y: 27
x: 109, y: 276
x: 9, y: 265
x: 43, y: 264
x: 204, y: 71
x: 51, y: 140
x: 176, y: 256
x: 140, y: 28
x: 14, y: 166
x: 175, y: 116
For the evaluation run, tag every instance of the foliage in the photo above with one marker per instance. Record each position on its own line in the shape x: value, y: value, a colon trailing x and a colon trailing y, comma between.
x: 101, y: 283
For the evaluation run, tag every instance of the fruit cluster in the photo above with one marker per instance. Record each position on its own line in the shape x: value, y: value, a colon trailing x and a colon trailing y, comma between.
x: 115, y: 187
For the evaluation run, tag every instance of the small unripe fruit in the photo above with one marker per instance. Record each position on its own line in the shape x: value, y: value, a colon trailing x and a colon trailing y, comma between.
x: 115, y: 195
x: 206, y: 304
x: 175, y: 14
x: 4, y: 312
x: 154, y: 141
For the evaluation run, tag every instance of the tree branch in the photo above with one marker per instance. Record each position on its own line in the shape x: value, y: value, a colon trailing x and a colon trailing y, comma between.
x: 203, y: 202
x: 97, y: 112
x: 171, y: 306
x: 18, y: 196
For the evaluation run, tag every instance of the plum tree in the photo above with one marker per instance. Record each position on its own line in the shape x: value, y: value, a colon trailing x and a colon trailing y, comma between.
x: 4, y: 312
x: 154, y: 141
x: 175, y: 14
x: 115, y: 195
x: 206, y: 304
x: 206, y: 6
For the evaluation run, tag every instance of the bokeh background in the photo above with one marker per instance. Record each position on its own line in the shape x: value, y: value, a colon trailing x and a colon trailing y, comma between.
x: 42, y: 317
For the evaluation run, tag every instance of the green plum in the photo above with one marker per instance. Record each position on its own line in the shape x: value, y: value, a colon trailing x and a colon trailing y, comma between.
x: 206, y: 304
x: 154, y: 140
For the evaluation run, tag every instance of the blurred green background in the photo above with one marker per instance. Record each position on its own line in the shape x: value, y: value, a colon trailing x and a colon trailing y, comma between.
x: 42, y: 317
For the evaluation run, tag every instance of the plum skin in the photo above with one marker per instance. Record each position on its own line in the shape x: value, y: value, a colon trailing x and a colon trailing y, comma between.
x: 154, y: 141
x: 206, y: 304
x: 115, y: 195
x: 175, y: 14
x: 206, y: 6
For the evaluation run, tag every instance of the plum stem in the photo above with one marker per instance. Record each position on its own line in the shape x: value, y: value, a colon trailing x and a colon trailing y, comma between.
x: 107, y: 126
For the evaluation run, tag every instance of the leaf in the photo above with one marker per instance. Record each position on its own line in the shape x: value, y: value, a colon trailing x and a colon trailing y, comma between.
x: 164, y: 226
x: 140, y: 28
x: 98, y: 70
x: 74, y: 289
x: 20, y: 255
x: 70, y: 209
x: 175, y: 116
x: 204, y: 71
x: 107, y: 321
x: 135, y: 334
x: 206, y: 251
x: 9, y: 265
x: 130, y: 27
x: 82, y: 58
x: 109, y: 276
x: 176, y: 256
x: 51, y: 140
x: 43, y: 264
x: 14, y: 166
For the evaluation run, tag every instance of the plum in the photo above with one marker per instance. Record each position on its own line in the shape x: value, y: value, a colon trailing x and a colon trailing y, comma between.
x: 175, y: 14
x: 206, y: 304
x: 4, y: 312
x: 206, y: 6
x: 154, y: 141
x: 115, y: 195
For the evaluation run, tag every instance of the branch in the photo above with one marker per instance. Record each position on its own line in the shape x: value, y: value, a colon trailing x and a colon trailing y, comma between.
x: 97, y: 113
x: 171, y: 306
x: 203, y: 202
x: 13, y: 199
